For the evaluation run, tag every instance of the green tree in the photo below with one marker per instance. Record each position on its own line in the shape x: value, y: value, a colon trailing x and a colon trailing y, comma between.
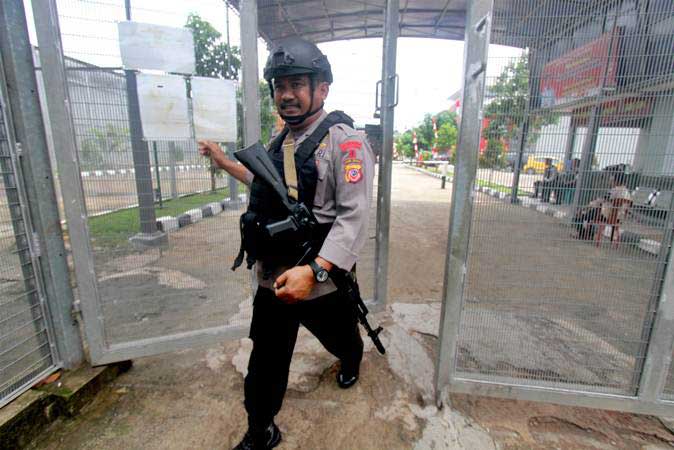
x: 448, y: 134
x: 494, y: 154
x: 404, y: 144
x: 443, y: 120
x: 214, y: 58
x: 506, y: 105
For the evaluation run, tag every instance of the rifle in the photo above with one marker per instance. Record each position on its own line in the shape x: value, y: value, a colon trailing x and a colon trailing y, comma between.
x: 301, y: 220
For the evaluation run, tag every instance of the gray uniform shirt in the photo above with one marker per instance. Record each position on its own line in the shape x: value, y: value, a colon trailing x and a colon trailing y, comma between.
x: 345, y: 164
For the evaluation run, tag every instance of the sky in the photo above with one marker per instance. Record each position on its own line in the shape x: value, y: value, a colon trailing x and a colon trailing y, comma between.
x: 430, y: 70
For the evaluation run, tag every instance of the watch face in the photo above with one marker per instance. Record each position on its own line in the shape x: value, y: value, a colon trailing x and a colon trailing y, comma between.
x: 322, y: 276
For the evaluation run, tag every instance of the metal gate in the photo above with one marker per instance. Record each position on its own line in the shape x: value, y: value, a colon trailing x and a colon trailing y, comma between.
x: 152, y: 232
x: 559, y: 277
x: 27, y: 348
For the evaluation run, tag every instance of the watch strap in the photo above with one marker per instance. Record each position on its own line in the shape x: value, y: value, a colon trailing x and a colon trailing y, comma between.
x: 315, y: 267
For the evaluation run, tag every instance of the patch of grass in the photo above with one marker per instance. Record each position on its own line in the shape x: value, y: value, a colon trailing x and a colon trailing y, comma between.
x: 500, y: 187
x: 115, y: 228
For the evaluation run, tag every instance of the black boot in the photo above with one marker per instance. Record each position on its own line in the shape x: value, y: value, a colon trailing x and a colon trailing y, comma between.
x: 347, y: 377
x: 267, y: 439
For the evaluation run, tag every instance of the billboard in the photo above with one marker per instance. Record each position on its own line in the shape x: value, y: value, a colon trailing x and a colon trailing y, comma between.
x: 214, y: 109
x: 580, y: 72
x: 145, y: 46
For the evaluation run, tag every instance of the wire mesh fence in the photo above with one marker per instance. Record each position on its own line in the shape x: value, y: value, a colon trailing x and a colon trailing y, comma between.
x: 572, y: 222
x: 163, y: 225
x: 25, y: 347
x: 156, y: 190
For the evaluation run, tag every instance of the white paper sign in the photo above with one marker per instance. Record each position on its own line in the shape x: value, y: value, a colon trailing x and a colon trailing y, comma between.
x: 163, y: 107
x: 214, y: 109
x: 155, y: 47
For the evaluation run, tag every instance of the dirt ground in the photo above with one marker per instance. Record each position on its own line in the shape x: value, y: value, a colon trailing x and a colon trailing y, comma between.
x: 524, y: 270
x: 575, y: 309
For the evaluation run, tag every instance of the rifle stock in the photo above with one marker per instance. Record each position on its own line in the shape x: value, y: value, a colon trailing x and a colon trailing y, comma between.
x: 256, y: 159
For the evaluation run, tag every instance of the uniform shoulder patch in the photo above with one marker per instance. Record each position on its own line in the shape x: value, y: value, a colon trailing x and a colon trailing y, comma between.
x: 351, y: 146
x: 353, y: 170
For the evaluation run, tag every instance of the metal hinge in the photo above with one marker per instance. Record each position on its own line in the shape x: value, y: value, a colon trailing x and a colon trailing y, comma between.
x: 36, y: 249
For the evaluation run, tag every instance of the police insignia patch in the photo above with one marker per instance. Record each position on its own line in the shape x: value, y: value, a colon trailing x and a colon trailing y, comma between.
x: 353, y: 170
x: 351, y: 147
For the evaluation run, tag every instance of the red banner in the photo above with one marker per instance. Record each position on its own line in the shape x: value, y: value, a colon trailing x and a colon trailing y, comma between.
x: 578, y: 73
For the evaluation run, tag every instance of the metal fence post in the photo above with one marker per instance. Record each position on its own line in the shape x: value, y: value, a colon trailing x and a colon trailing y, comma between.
x: 388, y: 103
x: 660, y: 338
x: 65, y: 143
x: 478, y: 30
x: 172, y: 169
x: 249, y: 71
x: 30, y: 132
x: 149, y: 234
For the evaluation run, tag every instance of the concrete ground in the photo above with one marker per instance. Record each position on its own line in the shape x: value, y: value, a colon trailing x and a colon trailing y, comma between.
x: 577, y: 310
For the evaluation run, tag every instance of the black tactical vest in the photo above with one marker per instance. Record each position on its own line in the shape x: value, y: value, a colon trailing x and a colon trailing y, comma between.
x: 265, y: 206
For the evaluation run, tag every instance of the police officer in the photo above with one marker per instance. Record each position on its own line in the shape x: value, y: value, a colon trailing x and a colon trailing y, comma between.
x: 335, y: 181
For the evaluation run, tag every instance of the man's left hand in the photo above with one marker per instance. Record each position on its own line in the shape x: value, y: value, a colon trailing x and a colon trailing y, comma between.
x: 295, y: 284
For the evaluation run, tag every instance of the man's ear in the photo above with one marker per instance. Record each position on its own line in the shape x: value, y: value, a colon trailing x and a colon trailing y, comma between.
x: 323, y: 90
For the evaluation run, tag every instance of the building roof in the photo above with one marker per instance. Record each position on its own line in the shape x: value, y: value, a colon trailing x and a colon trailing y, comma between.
x: 333, y: 20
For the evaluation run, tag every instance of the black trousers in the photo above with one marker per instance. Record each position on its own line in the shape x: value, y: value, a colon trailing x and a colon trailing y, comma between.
x: 274, y: 332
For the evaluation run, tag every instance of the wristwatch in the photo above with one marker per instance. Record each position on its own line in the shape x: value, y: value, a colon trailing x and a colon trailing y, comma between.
x: 320, y: 274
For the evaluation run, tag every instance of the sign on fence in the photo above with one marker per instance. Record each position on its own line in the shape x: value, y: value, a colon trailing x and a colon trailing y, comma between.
x: 214, y: 109
x: 155, y: 47
x: 163, y: 107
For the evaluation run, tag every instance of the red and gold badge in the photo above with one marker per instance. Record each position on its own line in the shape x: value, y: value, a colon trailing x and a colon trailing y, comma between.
x: 353, y: 170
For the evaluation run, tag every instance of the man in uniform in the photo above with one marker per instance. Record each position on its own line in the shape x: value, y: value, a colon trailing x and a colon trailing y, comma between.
x: 336, y: 184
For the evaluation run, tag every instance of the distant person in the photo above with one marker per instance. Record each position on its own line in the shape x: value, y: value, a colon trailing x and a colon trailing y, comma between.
x: 543, y: 186
x: 611, y: 208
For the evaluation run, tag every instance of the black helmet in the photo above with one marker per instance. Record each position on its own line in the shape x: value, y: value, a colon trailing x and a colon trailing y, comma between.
x: 296, y: 56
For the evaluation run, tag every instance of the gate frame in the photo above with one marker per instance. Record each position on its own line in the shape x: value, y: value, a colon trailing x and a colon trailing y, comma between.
x: 653, y: 377
x: 19, y: 86
x: 51, y: 54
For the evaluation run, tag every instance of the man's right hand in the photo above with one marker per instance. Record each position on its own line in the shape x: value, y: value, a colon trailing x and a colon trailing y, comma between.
x: 209, y: 148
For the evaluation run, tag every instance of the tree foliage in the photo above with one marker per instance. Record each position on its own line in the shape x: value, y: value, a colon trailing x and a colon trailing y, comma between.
x: 506, y: 110
x: 446, y: 124
x: 214, y: 58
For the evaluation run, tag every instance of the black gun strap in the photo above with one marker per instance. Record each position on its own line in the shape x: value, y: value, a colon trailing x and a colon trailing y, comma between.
x: 310, y: 144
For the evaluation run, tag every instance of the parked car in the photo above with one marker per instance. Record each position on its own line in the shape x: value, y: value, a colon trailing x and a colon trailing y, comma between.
x: 536, y: 164
x: 511, y: 159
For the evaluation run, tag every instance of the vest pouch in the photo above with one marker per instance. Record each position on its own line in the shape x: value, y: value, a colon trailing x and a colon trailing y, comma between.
x: 254, y: 238
x: 282, y: 249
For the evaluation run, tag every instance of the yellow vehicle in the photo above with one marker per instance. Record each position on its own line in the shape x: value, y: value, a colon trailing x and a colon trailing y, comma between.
x: 536, y: 164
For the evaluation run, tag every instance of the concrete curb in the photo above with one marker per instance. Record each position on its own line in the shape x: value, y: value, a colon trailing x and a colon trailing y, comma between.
x: 647, y: 245
x: 170, y: 223
x: 116, y: 172
x: 32, y: 412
